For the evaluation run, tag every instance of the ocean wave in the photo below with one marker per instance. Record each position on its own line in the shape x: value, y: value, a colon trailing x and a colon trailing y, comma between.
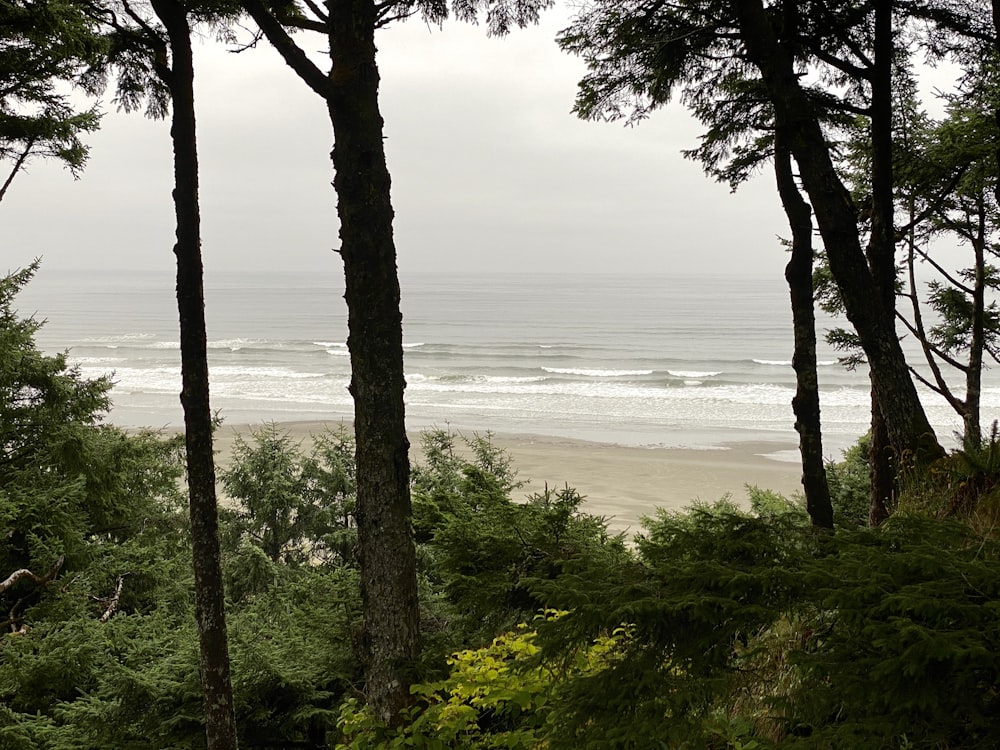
x: 694, y: 373
x: 788, y: 362
x: 97, y: 361
x: 124, y: 338
x: 235, y: 345
x: 595, y: 373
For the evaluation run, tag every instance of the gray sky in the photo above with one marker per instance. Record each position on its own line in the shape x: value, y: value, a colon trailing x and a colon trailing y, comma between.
x: 491, y: 172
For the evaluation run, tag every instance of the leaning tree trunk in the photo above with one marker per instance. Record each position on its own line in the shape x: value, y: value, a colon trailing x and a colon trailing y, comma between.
x: 906, y: 420
x: 881, y: 253
x: 386, y: 550
x: 220, y: 722
x: 805, y: 404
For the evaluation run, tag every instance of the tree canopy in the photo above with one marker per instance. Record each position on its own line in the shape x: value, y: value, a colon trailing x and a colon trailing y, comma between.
x: 46, y: 47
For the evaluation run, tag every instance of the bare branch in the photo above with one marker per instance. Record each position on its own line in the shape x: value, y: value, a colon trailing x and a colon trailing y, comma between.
x: 940, y: 269
x: 317, y: 11
x: 113, y: 605
x: 290, y: 52
x: 23, y: 573
x: 17, y: 166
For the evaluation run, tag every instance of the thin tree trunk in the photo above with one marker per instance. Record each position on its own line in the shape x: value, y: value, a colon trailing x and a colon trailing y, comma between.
x: 805, y: 404
x: 995, y: 15
x: 220, y: 722
x: 906, y: 419
x: 385, y: 537
x: 18, y: 164
x: 881, y: 253
x: 973, y: 433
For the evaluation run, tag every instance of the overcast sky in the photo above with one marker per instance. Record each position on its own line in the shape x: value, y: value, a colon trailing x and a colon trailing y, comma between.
x: 491, y: 172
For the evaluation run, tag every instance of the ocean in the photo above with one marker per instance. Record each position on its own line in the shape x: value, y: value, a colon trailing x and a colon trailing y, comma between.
x: 678, y: 361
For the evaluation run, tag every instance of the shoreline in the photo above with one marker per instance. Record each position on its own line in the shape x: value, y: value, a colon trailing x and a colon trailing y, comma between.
x: 621, y: 483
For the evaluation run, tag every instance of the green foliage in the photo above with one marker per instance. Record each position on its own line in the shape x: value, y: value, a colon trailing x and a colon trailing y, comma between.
x: 498, y: 696
x: 849, y: 481
x: 905, y: 640
x: 687, y: 598
x: 483, y: 548
x: 965, y: 485
x: 45, y: 45
x: 105, y: 504
x: 294, y: 508
x: 294, y: 655
x: 70, y: 487
x: 752, y: 630
x: 453, y: 483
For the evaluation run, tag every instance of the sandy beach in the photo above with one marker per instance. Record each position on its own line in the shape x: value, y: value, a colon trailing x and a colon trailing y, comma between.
x: 621, y: 483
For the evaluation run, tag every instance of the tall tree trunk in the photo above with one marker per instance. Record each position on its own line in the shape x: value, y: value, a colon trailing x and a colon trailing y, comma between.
x: 386, y: 552
x: 995, y: 16
x: 805, y: 404
x: 973, y: 431
x: 220, y: 722
x: 906, y: 420
x: 881, y: 251
x: 385, y: 537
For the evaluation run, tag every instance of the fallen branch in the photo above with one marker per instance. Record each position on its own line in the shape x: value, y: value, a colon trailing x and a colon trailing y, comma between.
x: 23, y: 573
x: 113, y: 605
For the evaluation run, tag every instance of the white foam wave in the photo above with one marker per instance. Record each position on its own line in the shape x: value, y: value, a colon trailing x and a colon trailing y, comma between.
x: 234, y: 345
x: 338, y: 352
x: 414, y: 346
x: 788, y: 362
x: 124, y: 338
x: 694, y: 373
x: 97, y: 361
x: 594, y: 373
x: 330, y: 344
x: 513, y: 378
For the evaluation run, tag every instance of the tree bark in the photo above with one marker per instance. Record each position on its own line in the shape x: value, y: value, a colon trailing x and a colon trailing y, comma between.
x: 386, y: 554
x: 375, y: 340
x: 220, y: 722
x: 805, y: 404
x: 907, y: 423
x: 973, y: 431
x: 881, y: 252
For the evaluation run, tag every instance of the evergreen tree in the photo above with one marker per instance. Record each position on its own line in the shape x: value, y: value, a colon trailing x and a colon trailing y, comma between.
x: 946, y: 191
x: 89, y: 519
x: 158, y: 62
x: 642, y: 54
x: 44, y: 47
x: 350, y: 92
